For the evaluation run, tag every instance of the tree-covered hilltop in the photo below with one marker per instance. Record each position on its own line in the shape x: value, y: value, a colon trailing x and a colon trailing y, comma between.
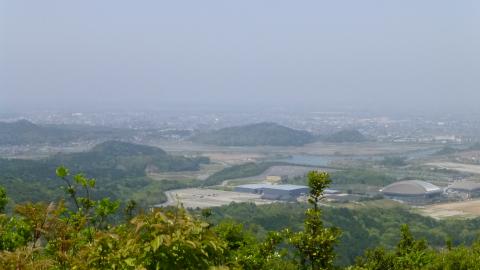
x: 120, y: 167
x: 126, y: 159
x: 272, y: 134
x: 255, y: 135
x: 24, y: 132
x: 344, y: 136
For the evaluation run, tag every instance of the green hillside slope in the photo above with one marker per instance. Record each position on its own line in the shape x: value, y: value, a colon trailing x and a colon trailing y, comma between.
x: 255, y: 135
x: 119, y: 167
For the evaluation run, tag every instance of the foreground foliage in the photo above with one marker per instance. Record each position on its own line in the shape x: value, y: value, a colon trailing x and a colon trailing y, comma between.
x: 81, y: 234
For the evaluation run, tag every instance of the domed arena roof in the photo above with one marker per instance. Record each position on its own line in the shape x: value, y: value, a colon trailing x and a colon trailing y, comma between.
x: 411, y: 188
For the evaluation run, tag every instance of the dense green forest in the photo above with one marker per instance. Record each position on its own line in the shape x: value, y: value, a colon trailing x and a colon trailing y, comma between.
x: 363, y: 227
x: 119, y: 167
x: 255, y: 135
x: 80, y: 232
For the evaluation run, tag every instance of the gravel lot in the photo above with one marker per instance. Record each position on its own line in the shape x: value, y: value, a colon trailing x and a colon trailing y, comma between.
x: 205, y: 198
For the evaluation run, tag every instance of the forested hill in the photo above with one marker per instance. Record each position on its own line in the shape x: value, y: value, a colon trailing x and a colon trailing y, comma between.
x: 118, y: 166
x: 256, y: 135
x: 24, y: 132
x: 126, y: 159
x: 343, y: 136
x: 119, y: 148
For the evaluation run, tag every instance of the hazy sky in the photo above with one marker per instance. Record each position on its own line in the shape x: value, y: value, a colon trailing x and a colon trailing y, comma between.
x: 111, y: 54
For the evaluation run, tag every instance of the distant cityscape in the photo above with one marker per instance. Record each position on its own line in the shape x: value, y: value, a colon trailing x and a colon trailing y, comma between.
x: 446, y: 129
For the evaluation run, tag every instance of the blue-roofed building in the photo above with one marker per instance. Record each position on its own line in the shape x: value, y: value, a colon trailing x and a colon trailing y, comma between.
x: 251, y: 188
x: 274, y: 192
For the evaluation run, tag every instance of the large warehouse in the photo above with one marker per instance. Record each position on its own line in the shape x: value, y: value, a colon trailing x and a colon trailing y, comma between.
x: 465, y: 189
x: 412, y: 191
x: 252, y: 188
x: 274, y: 192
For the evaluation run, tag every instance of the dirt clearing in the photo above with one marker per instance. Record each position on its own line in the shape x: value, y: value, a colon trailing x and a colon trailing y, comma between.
x: 205, y: 198
x: 466, y: 209
x: 461, y: 167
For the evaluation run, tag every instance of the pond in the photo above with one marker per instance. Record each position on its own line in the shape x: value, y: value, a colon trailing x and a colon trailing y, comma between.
x: 314, y: 160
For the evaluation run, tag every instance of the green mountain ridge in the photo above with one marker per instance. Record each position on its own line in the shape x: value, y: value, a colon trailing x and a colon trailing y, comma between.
x: 259, y: 134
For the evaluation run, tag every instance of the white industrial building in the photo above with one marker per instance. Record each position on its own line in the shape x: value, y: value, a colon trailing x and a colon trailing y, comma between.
x: 412, y: 191
x: 274, y: 192
x: 251, y: 188
x: 464, y: 189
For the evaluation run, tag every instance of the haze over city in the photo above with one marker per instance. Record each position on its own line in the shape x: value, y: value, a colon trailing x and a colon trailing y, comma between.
x: 267, y: 134
x: 245, y: 55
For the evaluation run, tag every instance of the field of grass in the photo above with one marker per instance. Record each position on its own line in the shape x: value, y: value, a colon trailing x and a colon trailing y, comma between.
x: 461, y: 167
x: 319, y: 148
x: 382, y: 203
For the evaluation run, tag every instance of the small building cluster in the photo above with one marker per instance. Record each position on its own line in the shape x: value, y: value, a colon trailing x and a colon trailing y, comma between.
x: 274, y: 192
x: 412, y: 191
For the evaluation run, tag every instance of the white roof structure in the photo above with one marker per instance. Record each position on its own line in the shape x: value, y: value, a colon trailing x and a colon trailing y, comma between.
x: 465, y: 185
x: 270, y: 186
x: 255, y: 186
x: 411, y: 188
x: 332, y: 191
x: 286, y: 187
